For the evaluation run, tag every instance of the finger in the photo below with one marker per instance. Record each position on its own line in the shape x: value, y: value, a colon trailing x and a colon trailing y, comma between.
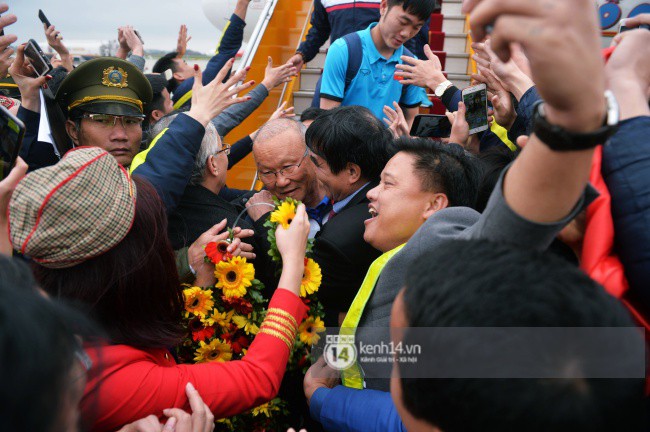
x: 284, y: 104
x: 398, y: 109
x: 522, y: 141
x: 481, y: 61
x: 288, y: 111
x: 485, y: 14
x: 7, y: 20
x: 198, y: 79
x: 238, y: 100
x: 507, y: 29
x: 198, y: 407
x: 15, y: 176
x: 188, y: 39
x: 451, y: 117
x: 224, y: 71
x: 301, y: 214
x: 209, y: 417
x: 405, y: 67
x: 170, y: 425
x: 408, y: 61
x: 234, y: 245
x: 269, y: 63
x: 217, y: 228
x: 183, y: 419
x: 427, y: 52
x: 245, y: 233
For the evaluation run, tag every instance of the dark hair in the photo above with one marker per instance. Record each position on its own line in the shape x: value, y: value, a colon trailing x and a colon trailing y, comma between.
x: 493, y: 162
x: 158, y: 84
x: 445, y: 168
x: 165, y: 63
x: 484, y: 284
x: 132, y: 290
x: 350, y: 134
x: 420, y: 8
x: 311, y: 113
x: 37, y: 351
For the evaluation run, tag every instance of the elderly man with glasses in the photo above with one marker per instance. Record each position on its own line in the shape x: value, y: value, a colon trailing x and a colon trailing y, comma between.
x: 285, y: 170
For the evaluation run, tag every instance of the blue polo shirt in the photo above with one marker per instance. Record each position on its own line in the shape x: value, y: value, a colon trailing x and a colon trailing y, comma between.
x: 374, y: 85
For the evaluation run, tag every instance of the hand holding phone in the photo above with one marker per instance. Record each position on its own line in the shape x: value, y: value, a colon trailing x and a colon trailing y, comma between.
x: 39, y: 62
x: 475, y: 99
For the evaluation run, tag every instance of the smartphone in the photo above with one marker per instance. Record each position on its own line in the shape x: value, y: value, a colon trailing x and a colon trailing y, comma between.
x: 39, y: 62
x: 12, y: 132
x: 43, y: 18
x: 475, y: 99
x: 431, y: 126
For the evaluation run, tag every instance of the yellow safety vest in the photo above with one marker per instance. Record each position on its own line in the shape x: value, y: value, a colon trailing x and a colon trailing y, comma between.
x: 352, y: 376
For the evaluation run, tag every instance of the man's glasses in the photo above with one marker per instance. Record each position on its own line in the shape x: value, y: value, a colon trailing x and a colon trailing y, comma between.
x: 225, y: 148
x: 109, y: 121
x: 288, y: 171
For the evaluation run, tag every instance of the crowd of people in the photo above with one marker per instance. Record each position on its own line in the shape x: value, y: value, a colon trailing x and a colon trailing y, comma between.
x: 540, y: 222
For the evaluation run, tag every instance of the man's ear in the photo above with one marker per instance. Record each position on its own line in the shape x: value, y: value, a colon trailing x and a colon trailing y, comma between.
x: 354, y: 172
x: 211, y: 166
x: 178, y: 77
x: 383, y: 7
x: 157, y: 115
x: 73, y: 132
x: 437, y: 202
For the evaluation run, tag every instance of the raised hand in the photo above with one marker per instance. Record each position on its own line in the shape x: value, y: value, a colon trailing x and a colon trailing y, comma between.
x: 210, y: 100
x: 55, y: 40
x: 24, y: 76
x: 422, y: 73
x: 181, y: 44
x: 273, y: 77
x: 396, y: 121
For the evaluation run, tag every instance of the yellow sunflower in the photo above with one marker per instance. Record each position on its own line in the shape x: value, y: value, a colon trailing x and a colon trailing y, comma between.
x: 309, y: 329
x: 243, y: 323
x: 311, y: 278
x: 234, y: 276
x: 221, y: 319
x: 284, y: 214
x: 197, y: 301
x: 265, y: 409
x: 215, y: 351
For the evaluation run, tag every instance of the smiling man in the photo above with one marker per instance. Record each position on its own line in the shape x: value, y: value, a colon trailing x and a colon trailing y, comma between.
x: 374, y: 52
x: 349, y: 148
x: 285, y: 169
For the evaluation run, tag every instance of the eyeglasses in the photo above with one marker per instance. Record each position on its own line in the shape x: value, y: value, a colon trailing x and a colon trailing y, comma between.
x: 288, y: 171
x: 109, y: 121
x: 225, y: 149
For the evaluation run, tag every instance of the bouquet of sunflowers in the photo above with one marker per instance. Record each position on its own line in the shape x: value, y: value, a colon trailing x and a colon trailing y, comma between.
x: 222, y: 320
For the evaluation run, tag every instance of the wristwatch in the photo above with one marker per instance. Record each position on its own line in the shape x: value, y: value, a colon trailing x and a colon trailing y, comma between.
x: 442, y: 88
x: 559, y: 139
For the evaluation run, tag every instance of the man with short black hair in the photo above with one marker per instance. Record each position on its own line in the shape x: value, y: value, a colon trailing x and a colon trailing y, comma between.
x: 380, y: 47
x: 160, y: 105
x: 349, y: 147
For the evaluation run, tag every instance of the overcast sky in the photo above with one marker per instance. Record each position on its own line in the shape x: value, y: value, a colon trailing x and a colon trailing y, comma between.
x: 157, y: 21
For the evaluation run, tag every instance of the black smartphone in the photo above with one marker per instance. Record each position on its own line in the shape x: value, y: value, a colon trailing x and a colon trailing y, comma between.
x: 39, y: 62
x: 431, y: 126
x: 12, y: 132
x: 43, y: 18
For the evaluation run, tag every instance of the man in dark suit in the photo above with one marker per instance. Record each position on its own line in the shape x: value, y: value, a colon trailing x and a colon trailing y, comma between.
x: 349, y: 147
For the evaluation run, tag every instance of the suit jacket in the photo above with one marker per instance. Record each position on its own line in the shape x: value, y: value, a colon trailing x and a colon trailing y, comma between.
x: 344, y: 256
x: 198, y: 210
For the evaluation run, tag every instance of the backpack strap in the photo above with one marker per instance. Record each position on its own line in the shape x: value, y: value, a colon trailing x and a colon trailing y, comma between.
x: 355, y: 56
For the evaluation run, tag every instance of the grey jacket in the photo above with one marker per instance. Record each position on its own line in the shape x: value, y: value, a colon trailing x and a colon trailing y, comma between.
x: 498, y: 223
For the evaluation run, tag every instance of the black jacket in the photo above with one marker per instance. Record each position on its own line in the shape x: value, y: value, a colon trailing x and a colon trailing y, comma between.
x: 344, y: 256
